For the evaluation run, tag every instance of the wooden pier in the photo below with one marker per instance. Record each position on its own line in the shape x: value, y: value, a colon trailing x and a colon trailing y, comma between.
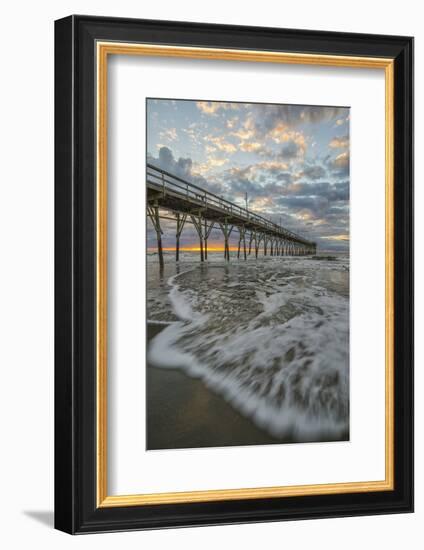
x: 190, y: 203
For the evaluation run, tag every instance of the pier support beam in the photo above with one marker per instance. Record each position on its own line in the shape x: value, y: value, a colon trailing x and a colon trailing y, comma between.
x: 242, y: 237
x: 181, y: 219
x: 250, y: 242
x: 257, y: 243
x: 197, y: 222
x: 226, y: 229
x: 153, y: 212
x: 207, y: 233
x: 244, y: 245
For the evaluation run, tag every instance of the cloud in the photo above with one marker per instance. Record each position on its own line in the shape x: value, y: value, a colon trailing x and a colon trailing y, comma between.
x: 166, y: 161
x: 272, y: 166
x: 293, y: 143
x: 341, y: 160
x: 274, y: 119
x: 185, y: 168
x: 315, y: 206
x: 331, y: 191
x: 341, y: 121
x: 290, y: 150
x: 277, y: 132
x: 253, y: 171
x: 288, y: 136
x: 170, y: 134
x: 240, y: 186
x: 214, y: 107
x: 339, y: 166
x: 285, y: 177
x: 249, y: 147
x: 339, y: 142
x: 231, y: 122
x: 273, y: 190
x: 220, y: 143
x: 313, y: 172
x: 336, y: 237
x: 212, y: 163
x: 321, y: 204
x: 227, y: 147
x: 208, y: 107
x: 246, y: 131
x: 317, y: 114
x: 193, y: 133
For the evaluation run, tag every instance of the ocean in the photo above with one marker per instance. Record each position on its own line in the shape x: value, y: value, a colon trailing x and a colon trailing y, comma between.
x: 270, y: 336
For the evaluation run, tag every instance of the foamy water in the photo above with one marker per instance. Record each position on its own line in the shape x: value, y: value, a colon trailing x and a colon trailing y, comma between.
x: 270, y: 336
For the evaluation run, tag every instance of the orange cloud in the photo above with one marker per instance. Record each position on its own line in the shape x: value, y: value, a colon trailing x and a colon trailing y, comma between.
x: 207, y: 166
x: 212, y: 107
x: 249, y: 147
x: 339, y: 142
x: 342, y: 160
x: 336, y: 238
x: 221, y: 144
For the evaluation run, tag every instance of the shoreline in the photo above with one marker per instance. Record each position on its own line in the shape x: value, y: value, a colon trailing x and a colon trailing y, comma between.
x: 183, y: 413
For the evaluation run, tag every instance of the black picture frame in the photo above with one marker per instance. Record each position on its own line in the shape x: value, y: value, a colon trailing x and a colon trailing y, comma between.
x: 76, y: 509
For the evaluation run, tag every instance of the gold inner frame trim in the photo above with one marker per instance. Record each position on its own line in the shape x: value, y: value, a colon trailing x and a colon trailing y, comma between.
x: 104, y: 49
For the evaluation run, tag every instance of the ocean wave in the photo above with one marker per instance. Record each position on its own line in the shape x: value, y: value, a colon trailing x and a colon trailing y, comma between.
x: 271, y: 337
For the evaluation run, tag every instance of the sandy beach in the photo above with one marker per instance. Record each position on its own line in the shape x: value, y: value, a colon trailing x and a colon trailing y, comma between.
x: 183, y: 413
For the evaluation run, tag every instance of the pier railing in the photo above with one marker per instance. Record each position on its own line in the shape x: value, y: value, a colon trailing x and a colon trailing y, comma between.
x: 165, y: 182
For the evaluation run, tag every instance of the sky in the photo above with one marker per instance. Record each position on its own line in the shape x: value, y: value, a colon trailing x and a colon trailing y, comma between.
x: 292, y: 160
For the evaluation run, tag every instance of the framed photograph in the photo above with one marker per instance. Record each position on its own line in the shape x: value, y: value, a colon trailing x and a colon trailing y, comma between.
x: 233, y: 265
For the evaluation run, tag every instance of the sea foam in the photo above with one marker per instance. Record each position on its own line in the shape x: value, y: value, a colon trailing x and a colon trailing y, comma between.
x: 271, y: 337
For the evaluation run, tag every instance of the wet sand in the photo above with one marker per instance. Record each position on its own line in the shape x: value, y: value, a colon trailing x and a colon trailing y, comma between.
x: 183, y: 413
